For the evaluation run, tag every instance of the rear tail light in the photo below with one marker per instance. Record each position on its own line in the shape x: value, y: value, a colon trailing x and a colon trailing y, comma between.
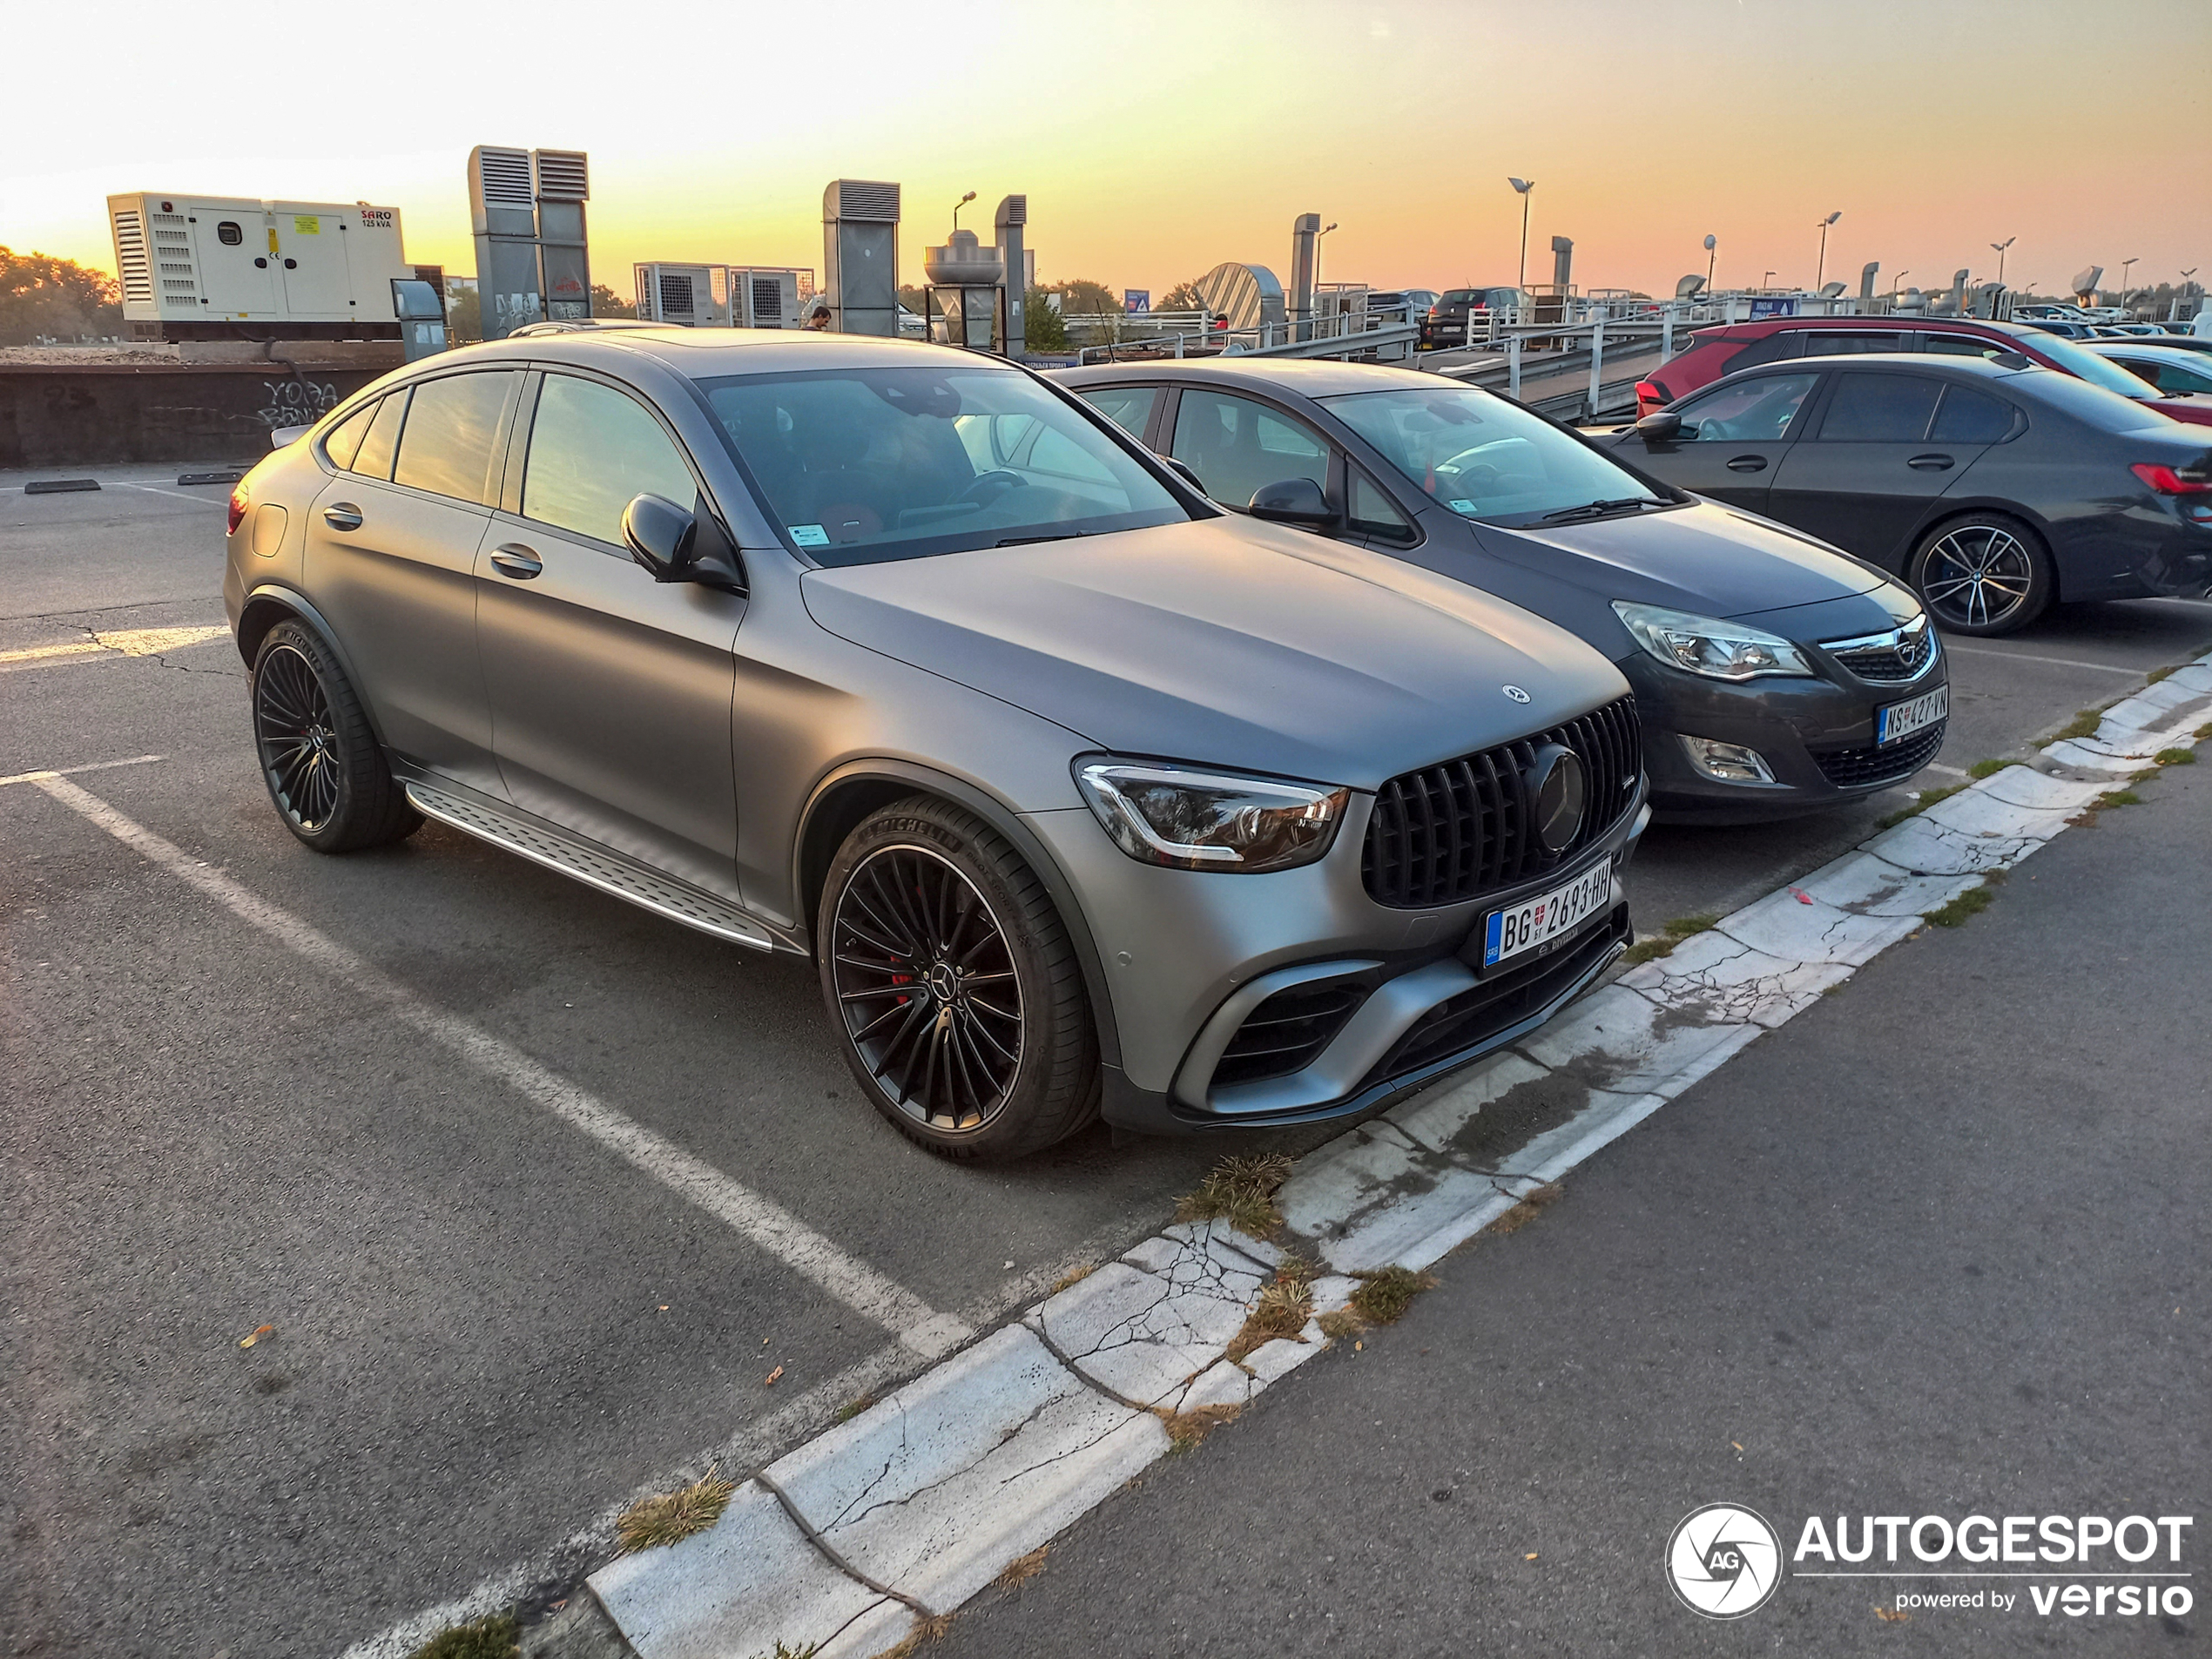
x: 238, y: 503
x: 2163, y: 479
x: 1650, y: 399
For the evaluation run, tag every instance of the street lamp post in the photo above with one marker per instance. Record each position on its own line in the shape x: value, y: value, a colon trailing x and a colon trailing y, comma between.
x: 1762, y: 281
x: 1523, y: 187
x: 1999, y: 247
x: 1821, y: 270
x: 957, y: 205
x: 2124, y: 264
x: 1323, y: 231
x: 1712, y: 243
x: 1897, y: 284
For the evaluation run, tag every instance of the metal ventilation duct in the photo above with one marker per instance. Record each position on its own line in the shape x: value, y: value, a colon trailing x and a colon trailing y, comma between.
x: 1248, y: 295
x: 563, y: 181
x: 1012, y: 218
x: 503, y: 206
x: 860, y: 256
x: 1306, y: 230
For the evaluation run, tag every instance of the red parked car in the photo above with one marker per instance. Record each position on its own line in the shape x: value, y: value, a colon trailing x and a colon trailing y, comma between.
x: 1743, y: 345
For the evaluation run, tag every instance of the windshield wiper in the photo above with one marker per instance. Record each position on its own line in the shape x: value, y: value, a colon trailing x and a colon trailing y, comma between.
x: 1599, y: 508
x: 1030, y: 541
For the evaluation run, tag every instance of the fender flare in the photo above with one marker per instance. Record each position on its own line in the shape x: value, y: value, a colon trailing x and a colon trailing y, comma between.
x: 1007, y: 822
x: 275, y: 595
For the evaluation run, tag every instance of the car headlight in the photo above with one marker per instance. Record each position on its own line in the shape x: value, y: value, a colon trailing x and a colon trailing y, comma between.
x: 1193, y: 819
x: 1719, y: 650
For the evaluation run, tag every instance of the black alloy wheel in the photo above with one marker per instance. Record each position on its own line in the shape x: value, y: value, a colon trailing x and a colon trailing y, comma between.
x: 1983, y: 575
x: 955, y: 985
x: 318, y: 755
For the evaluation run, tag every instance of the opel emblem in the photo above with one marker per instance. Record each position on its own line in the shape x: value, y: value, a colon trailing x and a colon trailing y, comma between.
x: 1558, y: 786
x: 1516, y: 693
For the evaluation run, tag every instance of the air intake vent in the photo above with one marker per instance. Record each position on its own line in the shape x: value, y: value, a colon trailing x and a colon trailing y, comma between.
x: 560, y: 175
x: 1014, y: 209
x: 675, y: 294
x: 767, y: 302
x: 130, y: 256
x: 863, y: 200
x: 1448, y: 834
x: 506, y: 174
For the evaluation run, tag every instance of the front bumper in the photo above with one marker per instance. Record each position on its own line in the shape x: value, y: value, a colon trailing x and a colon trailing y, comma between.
x: 1816, y: 734
x: 1190, y: 956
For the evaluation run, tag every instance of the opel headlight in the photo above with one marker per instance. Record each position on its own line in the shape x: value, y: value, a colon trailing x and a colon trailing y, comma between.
x: 1193, y: 819
x: 1719, y: 650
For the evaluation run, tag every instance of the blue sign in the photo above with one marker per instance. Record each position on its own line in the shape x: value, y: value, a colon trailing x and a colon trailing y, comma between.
x: 1137, y: 299
x: 1773, y: 308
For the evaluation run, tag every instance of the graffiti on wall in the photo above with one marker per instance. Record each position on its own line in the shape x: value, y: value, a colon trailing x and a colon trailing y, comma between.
x: 295, y: 402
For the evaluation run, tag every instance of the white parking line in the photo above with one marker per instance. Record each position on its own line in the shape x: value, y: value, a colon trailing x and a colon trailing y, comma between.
x: 759, y: 1220
x: 71, y: 771
x: 222, y: 500
x: 2050, y: 662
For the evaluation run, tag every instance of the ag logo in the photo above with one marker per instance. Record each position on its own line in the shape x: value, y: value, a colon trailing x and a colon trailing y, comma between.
x: 1723, y: 1560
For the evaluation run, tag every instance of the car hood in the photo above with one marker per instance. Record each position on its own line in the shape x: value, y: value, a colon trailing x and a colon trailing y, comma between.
x: 1706, y: 558
x: 1226, y: 642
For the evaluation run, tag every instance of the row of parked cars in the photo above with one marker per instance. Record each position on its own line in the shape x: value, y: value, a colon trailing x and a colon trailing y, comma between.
x: 1199, y: 744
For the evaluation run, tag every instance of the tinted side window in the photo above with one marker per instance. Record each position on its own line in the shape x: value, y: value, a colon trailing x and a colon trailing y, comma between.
x: 1754, y: 411
x: 447, y: 448
x: 344, y: 439
x: 1968, y: 416
x: 1237, y: 447
x: 1960, y: 345
x: 1373, y: 514
x: 594, y: 449
x: 373, y: 458
x: 1837, y: 342
x: 1128, y: 406
x: 1880, y: 409
x: 1772, y: 350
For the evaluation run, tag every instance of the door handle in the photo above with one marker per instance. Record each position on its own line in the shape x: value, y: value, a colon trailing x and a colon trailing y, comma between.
x: 516, y: 561
x: 1747, y: 463
x: 342, y: 515
x: 1931, y: 464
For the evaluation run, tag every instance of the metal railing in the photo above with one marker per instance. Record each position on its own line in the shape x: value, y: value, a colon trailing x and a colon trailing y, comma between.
x: 1186, y: 333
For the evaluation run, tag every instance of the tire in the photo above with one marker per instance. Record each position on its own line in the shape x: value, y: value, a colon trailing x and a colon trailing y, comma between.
x: 318, y: 756
x: 955, y: 993
x: 1983, y: 575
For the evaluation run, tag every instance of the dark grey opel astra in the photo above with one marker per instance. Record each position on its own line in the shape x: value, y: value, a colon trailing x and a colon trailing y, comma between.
x: 1082, y: 795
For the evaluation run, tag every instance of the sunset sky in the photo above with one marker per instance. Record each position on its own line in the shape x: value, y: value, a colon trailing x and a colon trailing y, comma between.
x: 1155, y: 141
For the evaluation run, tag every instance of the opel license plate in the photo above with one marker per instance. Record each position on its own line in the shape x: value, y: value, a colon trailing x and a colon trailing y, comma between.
x: 1903, y: 719
x: 1535, y: 922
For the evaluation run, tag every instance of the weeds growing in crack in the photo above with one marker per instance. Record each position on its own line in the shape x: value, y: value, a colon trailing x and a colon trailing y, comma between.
x: 1240, y: 1191
x: 1990, y: 768
x: 853, y: 1408
x: 674, y: 1515
x: 1186, y: 1429
x: 2117, y: 798
x: 495, y: 1637
x: 1921, y: 802
x: 925, y: 1631
x: 1341, y: 1323
x: 1532, y: 1203
x: 2158, y: 674
x: 1385, y: 1293
x: 1021, y: 1569
x: 1282, y: 1311
x: 1073, y: 1276
x: 2175, y: 758
x: 1968, y: 904
x: 2203, y: 731
x: 2083, y: 725
x: 1672, y: 934
x: 783, y: 1650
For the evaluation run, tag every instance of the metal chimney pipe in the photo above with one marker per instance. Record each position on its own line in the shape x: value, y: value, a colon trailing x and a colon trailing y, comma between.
x: 1562, y: 264
x: 1305, y: 230
x: 503, y: 206
x: 1872, y: 269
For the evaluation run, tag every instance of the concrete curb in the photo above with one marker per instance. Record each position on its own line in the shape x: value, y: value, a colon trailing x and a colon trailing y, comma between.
x: 918, y: 1503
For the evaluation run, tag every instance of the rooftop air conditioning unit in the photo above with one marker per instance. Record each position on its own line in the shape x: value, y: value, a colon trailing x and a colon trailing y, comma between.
x: 767, y: 296
x: 689, y: 296
x: 219, y: 267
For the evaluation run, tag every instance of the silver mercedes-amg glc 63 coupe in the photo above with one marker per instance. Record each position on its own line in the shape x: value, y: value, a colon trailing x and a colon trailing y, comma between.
x: 1082, y: 795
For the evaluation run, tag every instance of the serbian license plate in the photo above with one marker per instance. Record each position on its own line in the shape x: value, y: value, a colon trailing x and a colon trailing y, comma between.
x: 1533, y: 924
x: 1903, y: 719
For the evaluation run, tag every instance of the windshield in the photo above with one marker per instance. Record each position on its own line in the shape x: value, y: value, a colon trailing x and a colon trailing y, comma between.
x: 862, y: 465
x: 1485, y: 458
x: 2083, y: 363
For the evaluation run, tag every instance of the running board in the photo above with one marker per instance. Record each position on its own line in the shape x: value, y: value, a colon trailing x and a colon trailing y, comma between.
x: 593, y: 865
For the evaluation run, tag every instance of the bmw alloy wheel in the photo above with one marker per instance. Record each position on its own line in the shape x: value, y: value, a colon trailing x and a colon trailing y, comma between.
x: 1977, y: 577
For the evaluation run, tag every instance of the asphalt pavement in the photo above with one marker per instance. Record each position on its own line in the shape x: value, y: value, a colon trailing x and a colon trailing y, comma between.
x: 487, y: 1328
x: 1935, y: 1248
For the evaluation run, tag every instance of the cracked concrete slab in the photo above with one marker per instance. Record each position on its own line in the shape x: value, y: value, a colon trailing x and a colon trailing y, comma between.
x: 2025, y: 786
x: 1867, y: 886
x: 747, y: 1582
x: 1620, y: 1039
x: 1144, y: 1335
x: 1784, y: 927
x: 1980, y: 811
x: 977, y: 1461
x: 1335, y: 1182
x: 1934, y: 848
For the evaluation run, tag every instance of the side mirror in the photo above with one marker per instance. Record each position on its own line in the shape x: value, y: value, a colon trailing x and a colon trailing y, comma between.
x: 1665, y: 424
x: 281, y: 436
x: 673, y: 544
x: 658, y: 533
x: 1182, y: 471
x: 1293, y: 501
